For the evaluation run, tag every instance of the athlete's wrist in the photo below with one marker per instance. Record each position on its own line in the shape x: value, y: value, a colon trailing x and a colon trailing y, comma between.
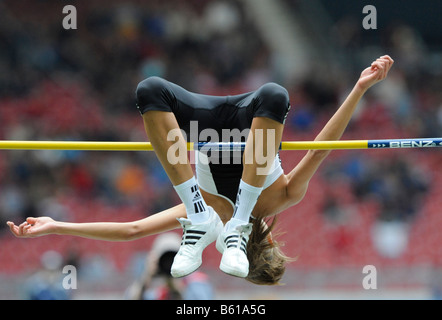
x: 360, y: 88
x: 58, y: 228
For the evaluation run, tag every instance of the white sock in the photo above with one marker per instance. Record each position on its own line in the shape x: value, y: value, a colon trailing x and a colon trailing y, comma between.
x: 190, y: 195
x: 245, y: 202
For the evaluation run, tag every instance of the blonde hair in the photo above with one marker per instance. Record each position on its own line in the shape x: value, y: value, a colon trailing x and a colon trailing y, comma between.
x: 266, y: 260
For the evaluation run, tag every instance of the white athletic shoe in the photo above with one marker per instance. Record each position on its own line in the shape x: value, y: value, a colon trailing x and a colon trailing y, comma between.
x: 233, y: 246
x: 196, y: 237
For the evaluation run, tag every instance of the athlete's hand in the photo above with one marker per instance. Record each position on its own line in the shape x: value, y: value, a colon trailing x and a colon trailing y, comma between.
x: 33, y: 227
x: 376, y: 72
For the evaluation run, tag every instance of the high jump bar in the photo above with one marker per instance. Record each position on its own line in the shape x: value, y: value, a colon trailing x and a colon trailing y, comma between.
x: 221, y: 146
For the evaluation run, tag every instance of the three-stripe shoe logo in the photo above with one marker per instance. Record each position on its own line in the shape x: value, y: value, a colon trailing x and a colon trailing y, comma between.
x: 235, y: 241
x: 197, y: 200
x: 191, y: 236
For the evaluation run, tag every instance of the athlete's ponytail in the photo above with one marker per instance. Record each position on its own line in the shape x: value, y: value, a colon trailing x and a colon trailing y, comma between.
x: 266, y: 259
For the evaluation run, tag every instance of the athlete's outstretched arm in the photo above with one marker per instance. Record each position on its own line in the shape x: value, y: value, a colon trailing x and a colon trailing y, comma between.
x: 300, y: 176
x: 110, y: 231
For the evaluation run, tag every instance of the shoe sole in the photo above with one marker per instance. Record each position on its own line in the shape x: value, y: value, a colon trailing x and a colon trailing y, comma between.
x: 183, y: 274
x: 232, y: 272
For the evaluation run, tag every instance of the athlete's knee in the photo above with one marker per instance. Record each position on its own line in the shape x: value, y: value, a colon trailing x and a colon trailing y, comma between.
x: 274, y: 99
x: 149, y: 91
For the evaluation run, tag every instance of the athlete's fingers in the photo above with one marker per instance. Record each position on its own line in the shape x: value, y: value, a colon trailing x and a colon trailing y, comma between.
x: 31, y: 220
x: 385, y: 61
x: 387, y: 57
x: 383, y: 66
x: 377, y: 68
x: 26, y: 228
x: 377, y: 64
x: 13, y: 228
x: 388, y: 63
x: 20, y: 228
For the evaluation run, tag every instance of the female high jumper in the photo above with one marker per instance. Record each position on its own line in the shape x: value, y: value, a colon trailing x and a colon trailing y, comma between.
x: 225, y: 202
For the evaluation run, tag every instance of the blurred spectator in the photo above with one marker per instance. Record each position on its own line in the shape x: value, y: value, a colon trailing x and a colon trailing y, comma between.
x: 197, y: 286
x: 390, y: 238
x: 394, y: 182
x: 156, y: 283
x: 47, y: 283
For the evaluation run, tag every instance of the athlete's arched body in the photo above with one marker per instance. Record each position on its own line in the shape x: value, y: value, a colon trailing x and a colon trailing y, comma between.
x: 164, y: 107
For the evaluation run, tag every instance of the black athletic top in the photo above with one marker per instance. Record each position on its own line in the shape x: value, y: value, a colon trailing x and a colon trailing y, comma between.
x: 201, y: 116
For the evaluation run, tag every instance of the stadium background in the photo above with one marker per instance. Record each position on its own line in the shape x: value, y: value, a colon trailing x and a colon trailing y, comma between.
x: 373, y: 207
